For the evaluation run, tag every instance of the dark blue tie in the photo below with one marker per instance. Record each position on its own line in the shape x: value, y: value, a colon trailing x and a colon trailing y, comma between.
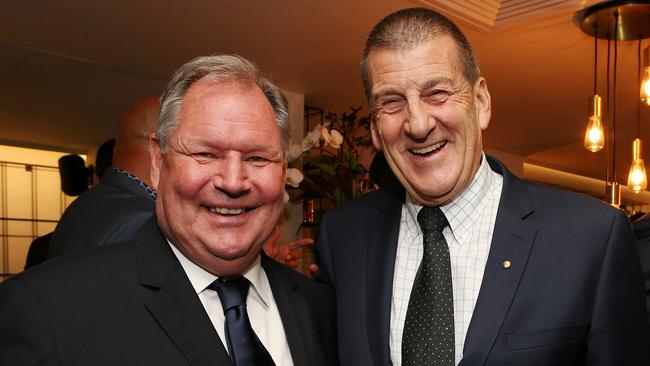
x: 243, y: 345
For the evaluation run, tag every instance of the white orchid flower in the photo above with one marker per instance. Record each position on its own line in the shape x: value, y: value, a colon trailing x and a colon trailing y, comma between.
x: 332, y: 137
x: 312, y: 139
x: 295, y: 151
x: 294, y: 177
x: 285, y: 197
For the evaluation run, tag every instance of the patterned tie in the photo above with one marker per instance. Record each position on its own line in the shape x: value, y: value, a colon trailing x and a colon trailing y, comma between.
x: 428, y: 337
x: 243, y: 345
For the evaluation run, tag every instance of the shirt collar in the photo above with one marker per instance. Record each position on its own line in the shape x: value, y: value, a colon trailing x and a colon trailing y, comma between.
x: 465, y: 210
x: 201, y: 279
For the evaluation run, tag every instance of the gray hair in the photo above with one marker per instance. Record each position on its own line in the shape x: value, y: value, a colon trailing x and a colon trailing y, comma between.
x: 221, y: 68
x: 411, y: 27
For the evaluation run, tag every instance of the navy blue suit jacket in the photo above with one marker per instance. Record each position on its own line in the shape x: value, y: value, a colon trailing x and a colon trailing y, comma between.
x: 131, y: 303
x: 110, y: 211
x: 642, y: 236
x: 572, y: 296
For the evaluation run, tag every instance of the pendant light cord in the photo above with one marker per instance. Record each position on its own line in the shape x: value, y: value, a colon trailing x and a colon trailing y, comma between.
x: 608, y: 135
x: 596, y: 60
x: 614, y: 95
x: 638, y: 82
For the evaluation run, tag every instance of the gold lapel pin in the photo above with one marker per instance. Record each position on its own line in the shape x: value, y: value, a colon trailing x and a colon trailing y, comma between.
x: 506, y: 264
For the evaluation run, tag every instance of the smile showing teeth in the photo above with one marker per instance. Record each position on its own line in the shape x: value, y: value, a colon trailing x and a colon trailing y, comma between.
x: 428, y: 149
x: 226, y: 211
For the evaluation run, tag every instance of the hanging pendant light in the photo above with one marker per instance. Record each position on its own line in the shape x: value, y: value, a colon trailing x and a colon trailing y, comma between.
x: 645, y: 81
x: 618, y: 20
x: 595, y: 135
x: 637, y: 179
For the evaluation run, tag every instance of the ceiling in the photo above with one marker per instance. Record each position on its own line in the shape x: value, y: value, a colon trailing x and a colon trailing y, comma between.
x: 68, y: 69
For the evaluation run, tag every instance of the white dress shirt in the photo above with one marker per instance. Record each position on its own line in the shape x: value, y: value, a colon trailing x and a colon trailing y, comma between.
x: 471, y: 218
x: 262, y: 309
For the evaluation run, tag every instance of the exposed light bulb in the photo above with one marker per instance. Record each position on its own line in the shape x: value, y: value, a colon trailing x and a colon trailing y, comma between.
x: 637, y: 180
x: 645, y: 78
x: 645, y: 86
x: 595, y: 135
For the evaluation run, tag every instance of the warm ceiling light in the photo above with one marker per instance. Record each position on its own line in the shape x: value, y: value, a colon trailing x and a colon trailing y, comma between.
x: 645, y: 78
x: 595, y: 135
x: 637, y: 180
x: 617, y: 20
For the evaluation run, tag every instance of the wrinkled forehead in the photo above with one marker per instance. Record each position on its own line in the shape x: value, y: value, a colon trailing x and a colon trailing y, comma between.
x: 415, y: 58
x: 221, y: 98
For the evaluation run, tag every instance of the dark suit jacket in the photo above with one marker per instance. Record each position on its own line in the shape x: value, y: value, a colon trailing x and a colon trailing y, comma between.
x: 37, y: 252
x: 572, y: 296
x: 132, y: 304
x: 642, y: 236
x: 108, y: 212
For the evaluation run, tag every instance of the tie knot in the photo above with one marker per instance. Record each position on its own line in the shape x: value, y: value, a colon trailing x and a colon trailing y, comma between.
x: 432, y: 219
x: 232, y: 292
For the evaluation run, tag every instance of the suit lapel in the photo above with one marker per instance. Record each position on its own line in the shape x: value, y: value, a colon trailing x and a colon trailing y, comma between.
x: 175, y: 305
x: 512, y: 240
x: 382, y: 249
x: 294, y: 313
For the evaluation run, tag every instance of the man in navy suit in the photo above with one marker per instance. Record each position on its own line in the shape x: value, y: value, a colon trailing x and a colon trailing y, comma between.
x: 523, y: 274
x: 192, y: 287
x: 122, y: 201
x: 642, y: 236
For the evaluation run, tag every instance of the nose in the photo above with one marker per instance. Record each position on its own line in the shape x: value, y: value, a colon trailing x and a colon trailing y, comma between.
x: 232, y: 178
x: 419, y: 122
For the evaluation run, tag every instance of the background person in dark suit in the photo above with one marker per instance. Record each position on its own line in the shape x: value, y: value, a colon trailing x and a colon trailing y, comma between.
x: 642, y: 236
x: 122, y: 201
x: 219, y: 160
x: 468, y: 264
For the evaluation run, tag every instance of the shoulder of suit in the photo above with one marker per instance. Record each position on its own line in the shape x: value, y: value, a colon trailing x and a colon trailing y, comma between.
x: 552, y: 196
x: 366, y: 204
x: 292, y: 276
x: 101, y: 262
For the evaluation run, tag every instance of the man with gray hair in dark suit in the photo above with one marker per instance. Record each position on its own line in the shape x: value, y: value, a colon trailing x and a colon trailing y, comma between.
x: 192, y: 287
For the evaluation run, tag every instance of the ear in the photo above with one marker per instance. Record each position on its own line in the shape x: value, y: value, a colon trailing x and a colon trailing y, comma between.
x: 483, y: 103
x: 375, y: 131
x: 156, y: 160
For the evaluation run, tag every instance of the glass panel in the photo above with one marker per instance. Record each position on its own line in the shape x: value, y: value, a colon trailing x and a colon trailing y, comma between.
x: 43, y: 228
x: 19, y: 193
x: 18, y: 248
x: 3, y: 269
x: 27, y: 175
x: 48, y: 198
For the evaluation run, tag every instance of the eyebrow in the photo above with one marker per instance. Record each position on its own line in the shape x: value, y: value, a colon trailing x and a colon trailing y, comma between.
x: 421, y: 85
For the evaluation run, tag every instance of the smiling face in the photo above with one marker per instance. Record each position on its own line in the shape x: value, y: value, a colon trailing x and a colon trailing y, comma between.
x: 427, y: 118
x: 221, y: 182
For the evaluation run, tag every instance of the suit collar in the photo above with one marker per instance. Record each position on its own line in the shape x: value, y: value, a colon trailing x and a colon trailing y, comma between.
x: 201, y: 279
x: 294, y: 312
x: 115, y: 178
x: 382, y: 249
x: 174, y: 304
x: 512, y: 240
x: 178, y: 310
